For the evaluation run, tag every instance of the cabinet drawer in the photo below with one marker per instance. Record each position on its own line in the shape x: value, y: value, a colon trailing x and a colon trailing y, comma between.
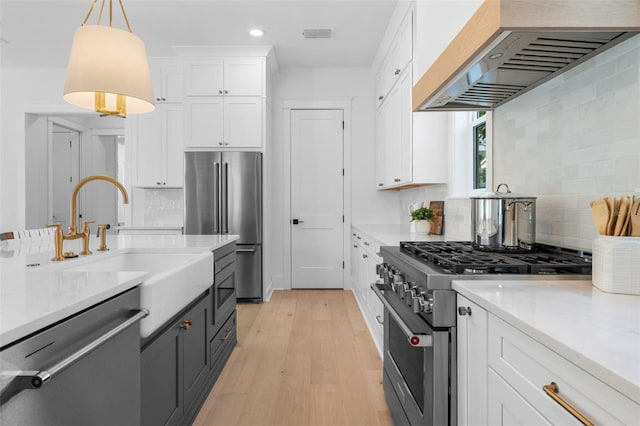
x: 224, y: 260
x: 225, y: 339
x: 527, y: 366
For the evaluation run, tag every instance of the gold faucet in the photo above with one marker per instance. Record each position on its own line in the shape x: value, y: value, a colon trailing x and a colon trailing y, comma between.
x: 73, y: 233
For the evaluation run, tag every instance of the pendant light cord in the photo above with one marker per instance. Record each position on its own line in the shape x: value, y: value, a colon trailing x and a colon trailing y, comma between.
x: 93, y: 5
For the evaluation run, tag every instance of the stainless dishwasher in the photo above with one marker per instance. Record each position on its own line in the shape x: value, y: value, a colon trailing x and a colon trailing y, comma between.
x: 84, y: 370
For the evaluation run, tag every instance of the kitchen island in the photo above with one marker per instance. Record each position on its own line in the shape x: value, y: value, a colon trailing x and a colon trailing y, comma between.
x: 61, y: 322
x: 33, y: 297
x: 584, y: 340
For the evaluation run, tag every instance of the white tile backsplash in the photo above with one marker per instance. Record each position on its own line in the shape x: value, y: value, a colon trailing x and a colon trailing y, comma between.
x: 457, y: 211
x: 571, y: 140
x: 163, y: 207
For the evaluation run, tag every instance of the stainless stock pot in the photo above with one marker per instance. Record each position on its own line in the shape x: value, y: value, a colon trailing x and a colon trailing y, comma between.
x: 503, y: 221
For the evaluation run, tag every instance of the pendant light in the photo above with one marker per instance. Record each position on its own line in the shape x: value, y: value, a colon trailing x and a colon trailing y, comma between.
x: 108, y: 70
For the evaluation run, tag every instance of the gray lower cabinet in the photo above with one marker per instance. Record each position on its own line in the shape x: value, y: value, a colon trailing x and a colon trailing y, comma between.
x: 181, y: 362
x: 224, y: 286
x: 222, y: 345
x: 175, y: 367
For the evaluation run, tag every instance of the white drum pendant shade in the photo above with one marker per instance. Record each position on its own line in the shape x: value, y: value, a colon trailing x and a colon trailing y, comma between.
x: 109, y: 60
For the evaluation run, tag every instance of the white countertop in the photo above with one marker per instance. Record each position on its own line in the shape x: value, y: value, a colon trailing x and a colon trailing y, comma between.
x: 391, y: 235
x: 597, y: 331
x: 34, y: 297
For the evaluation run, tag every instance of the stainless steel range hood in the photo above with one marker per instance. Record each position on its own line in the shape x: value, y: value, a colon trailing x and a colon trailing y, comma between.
x: 511, y: 46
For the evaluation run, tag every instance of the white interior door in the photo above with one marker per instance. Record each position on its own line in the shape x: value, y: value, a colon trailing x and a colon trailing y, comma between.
x: 65, y: 172
x: 100, y: 199
x: 317, y: 206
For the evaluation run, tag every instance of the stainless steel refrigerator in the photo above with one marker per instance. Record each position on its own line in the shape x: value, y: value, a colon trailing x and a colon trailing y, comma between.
x: 223, y: 195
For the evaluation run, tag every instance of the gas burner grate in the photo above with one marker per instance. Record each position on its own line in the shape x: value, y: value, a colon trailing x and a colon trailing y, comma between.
x: 459, y: 257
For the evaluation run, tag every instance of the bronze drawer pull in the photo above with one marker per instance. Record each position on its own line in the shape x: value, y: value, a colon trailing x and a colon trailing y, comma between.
x: 186, y: 324
x: 552, y: 390
x: 226, y: 336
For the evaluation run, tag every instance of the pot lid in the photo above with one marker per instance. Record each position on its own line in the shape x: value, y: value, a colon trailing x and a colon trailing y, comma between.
x: 497, y: 195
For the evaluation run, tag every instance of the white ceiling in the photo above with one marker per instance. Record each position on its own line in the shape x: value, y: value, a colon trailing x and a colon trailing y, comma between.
x: 39, y: 33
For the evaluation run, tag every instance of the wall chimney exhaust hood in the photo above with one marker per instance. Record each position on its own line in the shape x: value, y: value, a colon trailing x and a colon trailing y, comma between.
x: 511, y: 46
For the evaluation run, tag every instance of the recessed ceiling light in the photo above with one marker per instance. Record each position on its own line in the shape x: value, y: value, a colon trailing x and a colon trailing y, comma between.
x: 256, y: 32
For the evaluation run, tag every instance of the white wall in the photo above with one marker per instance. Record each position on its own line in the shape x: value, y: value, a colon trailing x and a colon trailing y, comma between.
x: 312, y: 84
x: 37, y: 181
x: 574, y: 139
x: 34, y: 90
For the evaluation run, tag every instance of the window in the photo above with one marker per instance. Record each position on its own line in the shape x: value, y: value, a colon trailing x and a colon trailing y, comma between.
x: 471, y: 153
x: 479, y: 140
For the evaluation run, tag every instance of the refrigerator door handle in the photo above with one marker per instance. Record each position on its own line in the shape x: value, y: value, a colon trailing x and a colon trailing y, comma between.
x: 224, y: 220
x: 216, y: 198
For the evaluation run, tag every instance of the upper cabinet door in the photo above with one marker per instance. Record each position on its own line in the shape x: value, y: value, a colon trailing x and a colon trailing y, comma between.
x: 402, y: 50
x: 244, y: 77
x: 225, y: 76
x: 204, y: 76
x: 204, y: 122
x: 243, y: 127
x: 166, y: 75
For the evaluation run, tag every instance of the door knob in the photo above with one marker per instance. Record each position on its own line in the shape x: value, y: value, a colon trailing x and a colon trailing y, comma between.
x: 296, y: 221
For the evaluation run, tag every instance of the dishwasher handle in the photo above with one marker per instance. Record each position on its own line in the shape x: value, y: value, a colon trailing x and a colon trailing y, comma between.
x: 36, y: 379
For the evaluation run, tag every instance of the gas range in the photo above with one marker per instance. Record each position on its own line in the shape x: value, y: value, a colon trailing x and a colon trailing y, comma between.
x: 420, y: 330
x: 459, y: 257
x: 424, y: 271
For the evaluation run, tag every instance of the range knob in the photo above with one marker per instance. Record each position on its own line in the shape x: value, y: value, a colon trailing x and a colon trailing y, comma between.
x: 418, y: 302
x: 396, y: 282
x: 405, y: 290
x: 409, y: 295
x: 429, y: 306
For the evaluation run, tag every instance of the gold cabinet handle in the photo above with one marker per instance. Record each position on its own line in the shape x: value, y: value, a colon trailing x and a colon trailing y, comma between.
x: 220, y: 92
x: 552, y: 390
x: 226, y: 92
x: 186, y: 324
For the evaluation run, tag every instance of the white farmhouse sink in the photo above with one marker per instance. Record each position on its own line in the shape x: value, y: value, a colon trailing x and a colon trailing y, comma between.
x: 175, y: 280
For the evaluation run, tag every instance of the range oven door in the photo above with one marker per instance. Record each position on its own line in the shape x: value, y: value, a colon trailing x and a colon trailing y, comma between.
x: 418, y: 381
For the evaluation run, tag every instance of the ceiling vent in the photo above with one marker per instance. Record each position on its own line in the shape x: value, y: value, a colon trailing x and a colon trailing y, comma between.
x: 314, y: 33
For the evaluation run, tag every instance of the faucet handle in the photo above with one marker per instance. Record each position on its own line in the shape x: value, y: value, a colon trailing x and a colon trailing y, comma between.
x: 57, y: 240
x: 86, y: 233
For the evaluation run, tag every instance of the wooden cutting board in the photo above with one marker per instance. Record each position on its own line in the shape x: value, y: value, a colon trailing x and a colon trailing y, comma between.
x: 438, y: 221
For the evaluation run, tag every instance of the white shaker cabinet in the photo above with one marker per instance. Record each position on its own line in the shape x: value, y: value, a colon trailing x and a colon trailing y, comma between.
x: 471, y: 363
x: 224, y: 122
x: 527, y: 367
x: 168, y: 84
x: 396, y: 59
x: 412, y: 148
x: 232, y: 76
x: 503, y: 373
x: 225, y: 102
x: 157, y: 147
x: 364, y: 258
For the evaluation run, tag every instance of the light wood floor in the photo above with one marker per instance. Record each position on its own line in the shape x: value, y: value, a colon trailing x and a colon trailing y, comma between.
x: 304, y: 358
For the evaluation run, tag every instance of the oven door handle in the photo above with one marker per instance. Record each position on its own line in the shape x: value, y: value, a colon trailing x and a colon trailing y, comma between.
x: 415, y: 339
